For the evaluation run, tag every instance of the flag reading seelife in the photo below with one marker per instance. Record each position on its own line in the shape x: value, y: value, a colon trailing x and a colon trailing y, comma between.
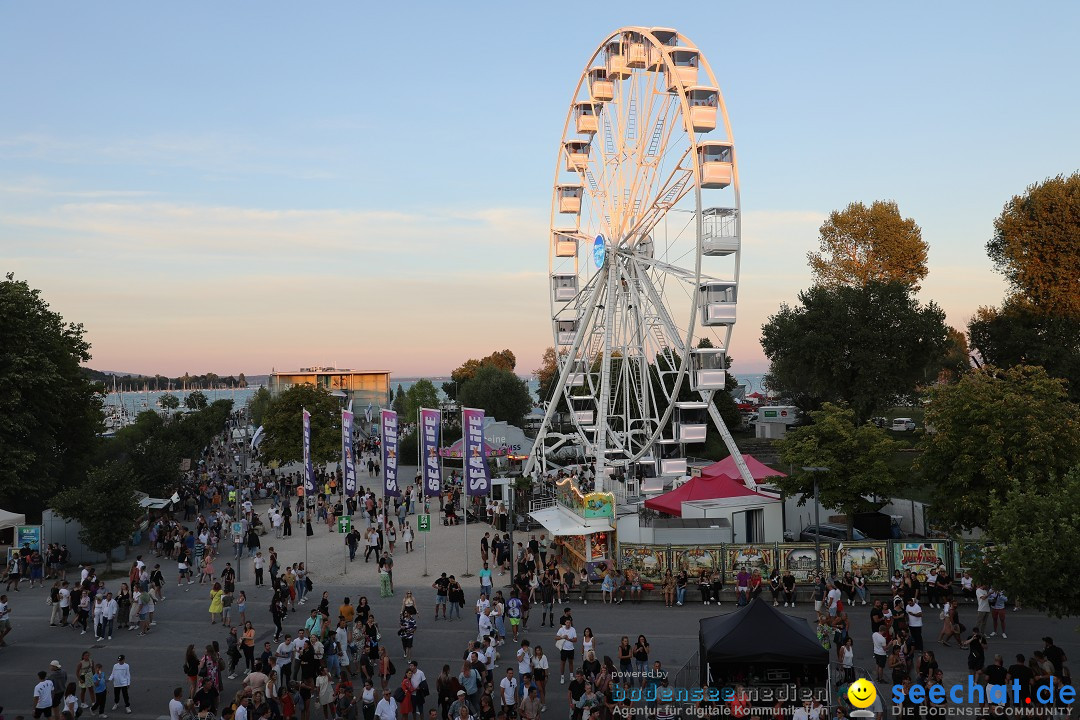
x: 389, y: 454
x: 476, y: 470
x: 430, y: 420
x: 348, y: 463
x: 309, y: 471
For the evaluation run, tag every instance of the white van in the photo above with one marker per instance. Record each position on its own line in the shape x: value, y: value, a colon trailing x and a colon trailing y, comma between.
x: 902, y: 424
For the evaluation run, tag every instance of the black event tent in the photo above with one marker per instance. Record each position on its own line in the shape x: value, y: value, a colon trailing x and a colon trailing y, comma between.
x: 758, y: 633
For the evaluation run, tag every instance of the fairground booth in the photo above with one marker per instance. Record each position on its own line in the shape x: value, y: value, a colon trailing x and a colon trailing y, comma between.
x: 765, y: 651
x: 582, y: 523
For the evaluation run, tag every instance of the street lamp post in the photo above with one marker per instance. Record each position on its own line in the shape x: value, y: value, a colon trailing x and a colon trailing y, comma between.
x: 817, y: 516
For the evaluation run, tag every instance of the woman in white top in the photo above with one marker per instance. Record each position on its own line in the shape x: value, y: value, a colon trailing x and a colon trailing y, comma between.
x: 847, y: 659
x: 540, y: 674
x: 407, y: 536
x: 324, y: 685
x: 588, y: 641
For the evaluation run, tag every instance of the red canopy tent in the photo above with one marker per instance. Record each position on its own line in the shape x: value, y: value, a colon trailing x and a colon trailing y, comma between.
x: 758, y: 470
x: 699, y: 488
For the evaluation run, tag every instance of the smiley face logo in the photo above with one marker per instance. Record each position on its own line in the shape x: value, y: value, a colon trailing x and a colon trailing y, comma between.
x: 862, y: 693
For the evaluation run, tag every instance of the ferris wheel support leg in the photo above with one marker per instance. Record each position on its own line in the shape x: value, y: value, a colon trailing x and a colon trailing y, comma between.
x: 718, y: 420
x: 553, y: 403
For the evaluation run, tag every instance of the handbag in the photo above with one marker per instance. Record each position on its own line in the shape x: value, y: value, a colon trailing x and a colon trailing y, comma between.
x: 399, y: 695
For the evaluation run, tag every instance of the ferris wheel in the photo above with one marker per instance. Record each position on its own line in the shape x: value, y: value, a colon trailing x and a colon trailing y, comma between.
x: 644, y: 256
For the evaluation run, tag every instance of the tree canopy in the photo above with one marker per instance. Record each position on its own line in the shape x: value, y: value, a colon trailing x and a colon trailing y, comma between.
x: 169, y: 401
x: 1036, y: 559
x: 257, y: 405
x: 196, y: 400
x: 498, y: 392
x: 283, y: 425
x: 1036, y: 245
x: 106, y: 507
x: 992, y: 428
x: 502, y: 359
x: 1018, y: 334
x: 860, y: 245
x: 856, y: 457
x: 50, y: 413
x: 865, y: 345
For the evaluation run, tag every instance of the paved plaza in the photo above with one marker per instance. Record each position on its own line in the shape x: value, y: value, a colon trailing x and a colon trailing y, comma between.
x: 157, y: 659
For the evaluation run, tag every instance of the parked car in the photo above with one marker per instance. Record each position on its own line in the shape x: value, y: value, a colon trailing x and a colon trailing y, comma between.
x: 902, y: 424
x: 830, y: 533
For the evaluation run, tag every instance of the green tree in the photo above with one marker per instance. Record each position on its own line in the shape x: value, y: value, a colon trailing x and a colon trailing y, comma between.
x: 105, y: 506
x: 258, y: 404
x: 857, y: 458
x: 195, y: 400
x: 860, y: 245
x: 1019, y: 334
x: 170, y: 402
x: 422, y: 394
x: 989, y: 429
x: 241, y: 380
x: 956, y: 362
x: 503, y: 359
x: 1036, y: 246
x: 283, y: 425
x: 399, y: 405
x: 50, y: 413
x: 865, y: 346
x: 499, y: 393
x: 1048, y: 583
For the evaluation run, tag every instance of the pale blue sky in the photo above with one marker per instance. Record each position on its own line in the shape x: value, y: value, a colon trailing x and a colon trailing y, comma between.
x: 232, y: 187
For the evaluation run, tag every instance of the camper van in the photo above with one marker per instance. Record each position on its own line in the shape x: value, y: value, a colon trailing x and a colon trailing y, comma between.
x: 902, y: 424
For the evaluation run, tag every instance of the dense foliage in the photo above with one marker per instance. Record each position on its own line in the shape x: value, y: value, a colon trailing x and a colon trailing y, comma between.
x: 50, y: 413
x: 105, y: 505
x: 498, y: 392
x: 284, y: 430
x: 865, y: 346
x: 990, y: 429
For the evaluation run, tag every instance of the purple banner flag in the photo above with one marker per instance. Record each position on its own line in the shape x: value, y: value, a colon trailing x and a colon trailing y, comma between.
x: 477, y: 481
x: 390, y: 453
x: 430, y: 422
x: 309, y: 471
x: 348, y: 463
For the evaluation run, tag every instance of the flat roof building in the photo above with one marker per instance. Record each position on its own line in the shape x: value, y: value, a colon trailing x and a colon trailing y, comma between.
x: 363, y: 387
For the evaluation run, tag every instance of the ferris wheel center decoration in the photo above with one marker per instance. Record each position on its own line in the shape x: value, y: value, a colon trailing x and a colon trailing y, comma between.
x: 645, y: 180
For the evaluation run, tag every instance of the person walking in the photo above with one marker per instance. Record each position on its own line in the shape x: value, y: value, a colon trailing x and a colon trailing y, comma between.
x: 120, y: 677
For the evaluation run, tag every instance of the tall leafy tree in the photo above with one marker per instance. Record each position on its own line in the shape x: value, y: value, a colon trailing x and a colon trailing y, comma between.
x: 865, y: 345
x: 400, y: 405
x: 502, y: 359
x: 1036, y: 245
x: 860, y: 245
x: 989, y: 429
x: 105, y: 505
x: 1037, y: 531
x: 498, y: 392
x: 50, y: 413
x: 1017, y: 333
x: 196, y: 400
x: 258, y: 404
x: 169, y: 401
x: 422, y: 394
x: 283, y: 425
x: 241, y: 380
x: 856, y: 457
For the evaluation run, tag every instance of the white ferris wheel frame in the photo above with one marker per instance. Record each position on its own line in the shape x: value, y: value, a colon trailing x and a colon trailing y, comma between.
x: 628, y: 240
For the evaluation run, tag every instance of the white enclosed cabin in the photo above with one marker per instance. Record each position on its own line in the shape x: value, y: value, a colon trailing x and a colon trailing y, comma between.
x: 577, y: 155
x: 708, y: 369
x: 717, y: 163
x: 671, y: 460
x: 704, y: 102
x: 577, y: 377
x: 668, y: 37
x: 569, y: 197
x: 719, y: 231
x: 615, y: 60
x: 691, y: 421
x: 564, y: 288
x: 601, y: 88
x: 718, y: 302
x: 683, y: 68
x: 565, y: 243
x: 637, y: 52
x: 565, y: 331
x: 584, y: 409
x: 587, y: 117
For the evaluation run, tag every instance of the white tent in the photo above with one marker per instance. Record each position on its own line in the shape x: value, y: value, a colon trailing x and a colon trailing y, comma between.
x: 10, y: 519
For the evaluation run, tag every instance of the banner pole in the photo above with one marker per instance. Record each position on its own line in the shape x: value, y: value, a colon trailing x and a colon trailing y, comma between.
x: 465, y: 489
